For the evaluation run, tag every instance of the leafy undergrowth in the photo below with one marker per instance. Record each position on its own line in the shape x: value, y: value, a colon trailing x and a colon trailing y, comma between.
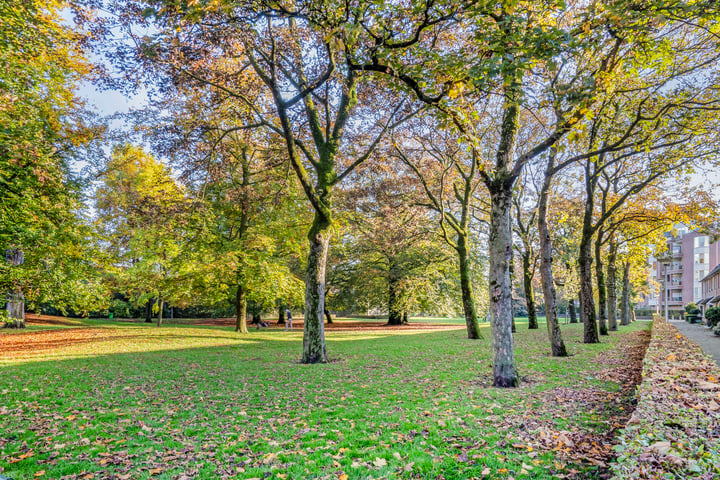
x: 675, y: 430
x: 181, y: 402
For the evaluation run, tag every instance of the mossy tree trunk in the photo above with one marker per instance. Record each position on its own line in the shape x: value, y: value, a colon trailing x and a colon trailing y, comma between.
x: 625, y: 309
x: 468, y: 298
x: 557, y: 345
x: 600, y: 278
x: 612, y: 285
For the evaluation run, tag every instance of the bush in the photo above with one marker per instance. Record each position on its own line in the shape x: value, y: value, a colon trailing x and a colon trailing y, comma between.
x: 712, y: 315
x: 692, y: 309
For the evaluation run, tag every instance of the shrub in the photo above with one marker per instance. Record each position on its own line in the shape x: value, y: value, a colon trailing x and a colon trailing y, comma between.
x: 712, y: 315
x: 692, y: 309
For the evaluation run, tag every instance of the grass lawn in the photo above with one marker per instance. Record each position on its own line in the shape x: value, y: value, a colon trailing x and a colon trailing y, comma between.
x: 133, y: 401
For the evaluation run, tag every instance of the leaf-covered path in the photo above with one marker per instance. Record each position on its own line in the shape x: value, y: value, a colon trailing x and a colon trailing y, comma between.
x: 135, y: 401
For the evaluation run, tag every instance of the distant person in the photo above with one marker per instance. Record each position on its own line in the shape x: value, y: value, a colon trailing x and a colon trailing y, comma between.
x: 288, y: 320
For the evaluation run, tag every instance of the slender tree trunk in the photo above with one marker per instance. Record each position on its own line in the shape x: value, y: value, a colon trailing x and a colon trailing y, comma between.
x: 600, y: 278
x: 281, y: 315
x: 625, y: 311
x: 148, y: 310
x: 471, y: 320
x: 328, y: 317
x: 529, y: 292
x: 571, y: 309
x: 394, y: 312
x: 500, y: 289
x: 557, y: 345
x: 314, y: 349
x: 581, y: 315
x: 612, y: 286
x: 241, y: 310
x: 587, y: 305
x: 161, y: 304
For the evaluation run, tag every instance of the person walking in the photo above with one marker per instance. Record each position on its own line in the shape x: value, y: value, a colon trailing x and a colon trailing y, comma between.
x: 288, y: 320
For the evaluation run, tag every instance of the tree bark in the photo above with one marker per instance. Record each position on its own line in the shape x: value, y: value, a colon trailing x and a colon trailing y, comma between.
x: 328, y: 317
x: 394, y: 312
x: 600, y: 278
x: 587, y: 305
x: 471, y: 320
x: 557, y: 345
x: 241, y: 310
x: 161, y: 304
x: 581, y: 314
x: 625, y: 311
x: 314, y: 349
x: 611, y: 286
x: 406, y: 318
x: 529, y: 292
x: 500, y: 289
x: 16, y: 309
x: 571, y: 309
x: 281, y: 315
x: 148, y: 311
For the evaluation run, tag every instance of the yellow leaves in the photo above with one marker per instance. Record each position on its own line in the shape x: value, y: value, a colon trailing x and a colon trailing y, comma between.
x: 671, y: 358
x: 40, y: 473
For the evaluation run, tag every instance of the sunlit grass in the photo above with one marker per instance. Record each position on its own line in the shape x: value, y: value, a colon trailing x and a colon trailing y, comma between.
x: 157, y: 402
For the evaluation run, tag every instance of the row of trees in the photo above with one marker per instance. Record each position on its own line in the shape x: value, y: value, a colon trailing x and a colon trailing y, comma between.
x: 418, y: 135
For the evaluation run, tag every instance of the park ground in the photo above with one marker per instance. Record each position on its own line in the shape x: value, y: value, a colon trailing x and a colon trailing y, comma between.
x: 93, y: 399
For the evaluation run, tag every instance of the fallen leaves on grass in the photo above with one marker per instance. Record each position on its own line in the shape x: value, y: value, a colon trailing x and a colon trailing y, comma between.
x: 675, y: 430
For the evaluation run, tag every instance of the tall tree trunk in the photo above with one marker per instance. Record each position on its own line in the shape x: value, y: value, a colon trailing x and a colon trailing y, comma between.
x: 500, y: 289
x: 406, y: 318
x: 328, y: 317
x: 161, y: 304
x: 600, y: 278
x: 581, y: 315
x: 587, y: 305
x: 241, y: 310
x: 314, y: 349
x: 529, y: 292
x: 148, y: 310
x: 281, y: 315
x: 471, y: 320
x: 571, y: 309
x: 612, y: 286
x: 625, y: 310
x: 557, y: 345
x: 394, y: 311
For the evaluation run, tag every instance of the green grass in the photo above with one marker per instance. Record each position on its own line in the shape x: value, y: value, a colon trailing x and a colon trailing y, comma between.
x: 137, y: 401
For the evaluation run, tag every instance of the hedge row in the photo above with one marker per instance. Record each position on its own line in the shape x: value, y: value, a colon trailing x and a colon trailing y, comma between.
x: 675, y: 429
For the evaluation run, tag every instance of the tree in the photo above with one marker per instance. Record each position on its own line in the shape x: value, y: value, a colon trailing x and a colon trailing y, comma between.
x: 312, y: 101
x: 393, y: 241
x: 142, y: 212
x: 448, y: 177
x: 44, y: 126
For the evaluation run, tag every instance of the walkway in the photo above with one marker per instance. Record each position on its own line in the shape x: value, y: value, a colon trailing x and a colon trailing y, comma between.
x: 701, y: 335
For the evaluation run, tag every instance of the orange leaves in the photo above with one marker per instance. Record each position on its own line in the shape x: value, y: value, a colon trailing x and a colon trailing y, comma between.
x: 22, y: 457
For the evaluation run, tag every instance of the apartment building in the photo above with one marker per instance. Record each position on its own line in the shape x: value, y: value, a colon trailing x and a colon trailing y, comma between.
x: 710, y: 283
x: 677, y: 275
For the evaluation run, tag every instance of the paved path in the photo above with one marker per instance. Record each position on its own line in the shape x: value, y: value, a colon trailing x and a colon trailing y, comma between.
x: 701, y: 335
